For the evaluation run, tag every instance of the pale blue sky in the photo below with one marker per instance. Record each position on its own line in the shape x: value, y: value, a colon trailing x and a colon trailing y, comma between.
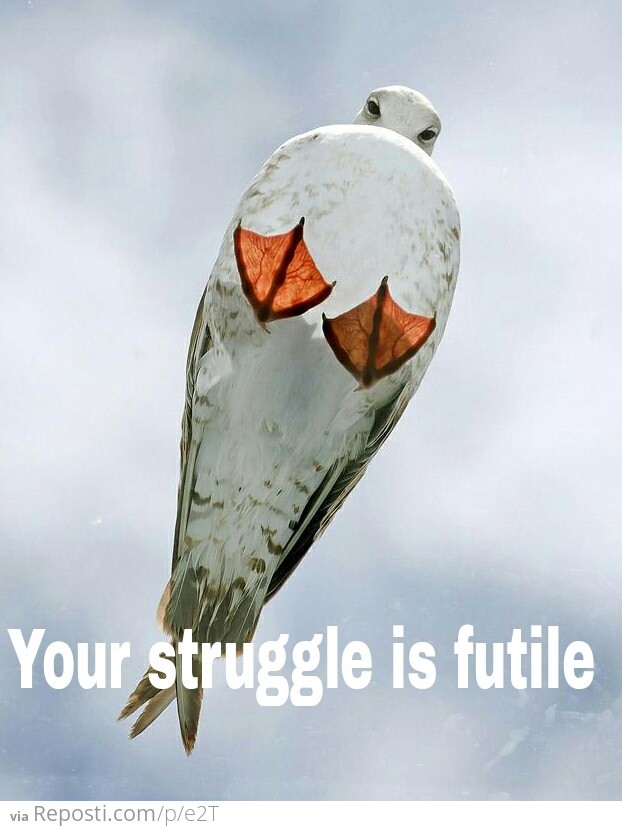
x: 128, y: 131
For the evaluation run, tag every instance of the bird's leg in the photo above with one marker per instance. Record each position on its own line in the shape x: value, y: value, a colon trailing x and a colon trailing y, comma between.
x: 279, y: 277
x: 376, y: 337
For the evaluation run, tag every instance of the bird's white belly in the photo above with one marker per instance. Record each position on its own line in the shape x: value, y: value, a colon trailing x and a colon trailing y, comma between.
x: 281, y: 410
x: 279, y: 419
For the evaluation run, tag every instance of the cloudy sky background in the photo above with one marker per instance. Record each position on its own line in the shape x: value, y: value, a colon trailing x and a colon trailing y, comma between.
x: 127, y: 132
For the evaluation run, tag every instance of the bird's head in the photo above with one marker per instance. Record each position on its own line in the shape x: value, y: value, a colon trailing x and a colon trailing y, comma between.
x: 403, y: 110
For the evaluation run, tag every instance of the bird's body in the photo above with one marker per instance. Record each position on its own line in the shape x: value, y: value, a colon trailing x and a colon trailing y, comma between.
x: 276, y: 431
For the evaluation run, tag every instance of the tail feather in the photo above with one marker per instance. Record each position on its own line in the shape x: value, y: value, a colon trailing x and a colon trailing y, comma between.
x: 153, y: 699
x: 188, y: 706
x: 152, y: 710
x: 143, y: 693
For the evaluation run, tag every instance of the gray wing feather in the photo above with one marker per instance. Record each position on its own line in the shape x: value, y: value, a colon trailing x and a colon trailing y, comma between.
x: 332, y: 492
x: 200, y: 343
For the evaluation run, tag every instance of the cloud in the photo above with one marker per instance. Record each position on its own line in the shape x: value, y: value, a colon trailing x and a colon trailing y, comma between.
x: 127, y: 136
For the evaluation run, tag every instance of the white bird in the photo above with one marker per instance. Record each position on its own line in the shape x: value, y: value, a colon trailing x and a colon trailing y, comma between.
x: 309, y: 341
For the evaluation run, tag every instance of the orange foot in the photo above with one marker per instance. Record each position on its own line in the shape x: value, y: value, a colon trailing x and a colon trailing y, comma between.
x: 279, y: 277
x: 376, y: 337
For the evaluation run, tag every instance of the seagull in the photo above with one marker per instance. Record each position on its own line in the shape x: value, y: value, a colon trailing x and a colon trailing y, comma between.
x: 325, y: 306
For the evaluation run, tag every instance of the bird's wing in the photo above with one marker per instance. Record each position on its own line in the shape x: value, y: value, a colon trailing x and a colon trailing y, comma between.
x: 200, y: 343
x: 330, y: 495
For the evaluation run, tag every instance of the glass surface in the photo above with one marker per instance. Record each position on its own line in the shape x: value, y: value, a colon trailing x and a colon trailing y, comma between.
x: 128, y: 131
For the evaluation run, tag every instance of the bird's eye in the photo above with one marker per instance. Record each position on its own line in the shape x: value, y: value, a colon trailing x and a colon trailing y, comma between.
x: 427, y: 135
x: 372, y: 108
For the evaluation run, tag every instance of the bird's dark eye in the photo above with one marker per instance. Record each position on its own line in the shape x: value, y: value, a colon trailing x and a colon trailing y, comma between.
x: 427, y: 135
x: 373, y: 108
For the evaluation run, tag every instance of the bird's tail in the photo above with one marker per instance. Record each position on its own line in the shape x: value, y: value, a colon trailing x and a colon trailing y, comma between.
x: 230, y: 617
x: 155, y: 701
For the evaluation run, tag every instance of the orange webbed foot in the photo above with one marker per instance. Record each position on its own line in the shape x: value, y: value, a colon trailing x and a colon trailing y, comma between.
x: 279, y: 277
x: 376, y: 337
